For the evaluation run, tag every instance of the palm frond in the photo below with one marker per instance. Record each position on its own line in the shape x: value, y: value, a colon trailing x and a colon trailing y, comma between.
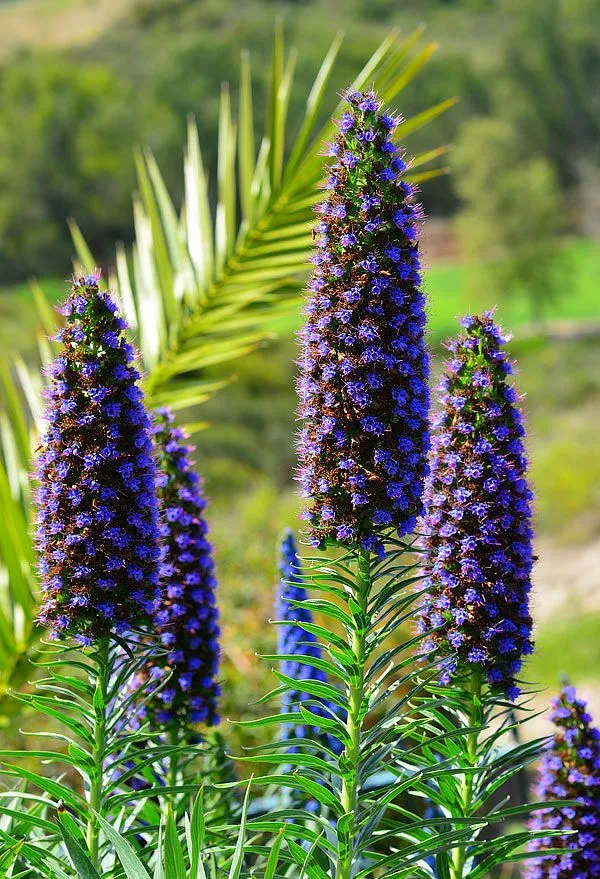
x: 200, y: 289
x: 17, y: 555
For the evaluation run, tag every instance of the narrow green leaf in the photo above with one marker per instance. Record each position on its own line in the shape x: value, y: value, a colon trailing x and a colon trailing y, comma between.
x: 414, y: 123
x: 422, y: 176
x: 124, y: 287
x: 158, y: 250
x: 271, y: 868
x: 8, y: 857
x: 54, y: 788
x: 16, y: 548
x: 225, y: 219
x: 174, y: 859
x: 197, y: 209
x: 197, y: 833
x: 302, y: 858
x: 46, y: 313
x: 84, y: 254
x: 409, y: 72
x: 150, y: 310
x: 168, y: 214
x: 314, y: 104
x: 133, y: 867
x: 276, y: 148
x: 159, y: 872
x: 237, y: 860
x: 15, y: 410
x: 246, y: 148
x: 77, y: 855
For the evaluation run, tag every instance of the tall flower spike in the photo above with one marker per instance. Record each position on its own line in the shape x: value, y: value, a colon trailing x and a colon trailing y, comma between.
x: 97, y: 507
x: 478, y: 520
x: 570, y: 771
x: 188, y: 619
x: 292, y: 639
x: 363, y: 389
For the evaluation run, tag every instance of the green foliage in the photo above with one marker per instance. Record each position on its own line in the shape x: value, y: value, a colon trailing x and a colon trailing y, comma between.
x: 17, y: 565
x: 66, y: 133
x: 182, y: 854
x: 513, y: 215
x: 83, y: 813
x: 476, y: 740
x: 546, y: 90
x: 373, y: 677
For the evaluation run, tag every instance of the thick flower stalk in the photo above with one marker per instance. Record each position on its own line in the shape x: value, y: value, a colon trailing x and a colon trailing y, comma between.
x: 97, y: 506
x: 570, y: 771
x: 294, y: 640
x: 188, y: 619
x: 364, y: 404
x: 478, y: 522
x: 363, y: 387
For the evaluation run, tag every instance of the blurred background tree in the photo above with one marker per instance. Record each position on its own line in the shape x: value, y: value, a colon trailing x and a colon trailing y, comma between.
x: 551, y: 84
x: 67, y: 130
x: 140, y: 66
x: 513, y: 217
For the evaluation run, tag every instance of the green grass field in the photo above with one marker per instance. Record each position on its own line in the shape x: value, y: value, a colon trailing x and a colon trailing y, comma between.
x: 452, y: 292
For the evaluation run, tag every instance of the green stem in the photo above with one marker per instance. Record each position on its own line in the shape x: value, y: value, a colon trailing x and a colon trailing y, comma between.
x: 96, y: 792
x: 459, y: 855
x: 355, y: 717
x: 173, y: 758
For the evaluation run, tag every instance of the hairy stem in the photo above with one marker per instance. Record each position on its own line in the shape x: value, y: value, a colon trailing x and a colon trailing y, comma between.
x: 98, y: 752
x: 459, y: 855
x: 355, y: 717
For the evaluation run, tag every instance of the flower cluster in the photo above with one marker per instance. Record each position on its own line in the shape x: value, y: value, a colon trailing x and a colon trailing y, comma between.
x: 363, y: 388
x: 478, y: 518
x: 570, y: 771
x: 188, y: 619
x: 294, y: 640
x: 97, y: 507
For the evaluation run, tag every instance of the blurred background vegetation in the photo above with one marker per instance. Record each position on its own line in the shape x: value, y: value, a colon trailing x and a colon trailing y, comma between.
x: 516, y: 223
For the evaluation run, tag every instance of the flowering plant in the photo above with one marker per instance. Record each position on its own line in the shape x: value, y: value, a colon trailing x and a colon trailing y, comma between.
x: 401, y: 632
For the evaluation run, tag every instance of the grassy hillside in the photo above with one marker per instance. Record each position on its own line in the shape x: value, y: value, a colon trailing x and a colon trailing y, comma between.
x: 56, y: 23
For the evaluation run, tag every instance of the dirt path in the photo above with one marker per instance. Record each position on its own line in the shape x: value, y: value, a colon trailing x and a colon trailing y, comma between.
x: 566, y: 584
x: 566, y: 578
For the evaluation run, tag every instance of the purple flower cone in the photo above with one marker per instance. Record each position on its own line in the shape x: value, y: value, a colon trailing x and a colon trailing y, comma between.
x: 188, y: 619
x: 478, y: 518
x: 570, y: 771
x: 363, y: 390
x: 97, y: 507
